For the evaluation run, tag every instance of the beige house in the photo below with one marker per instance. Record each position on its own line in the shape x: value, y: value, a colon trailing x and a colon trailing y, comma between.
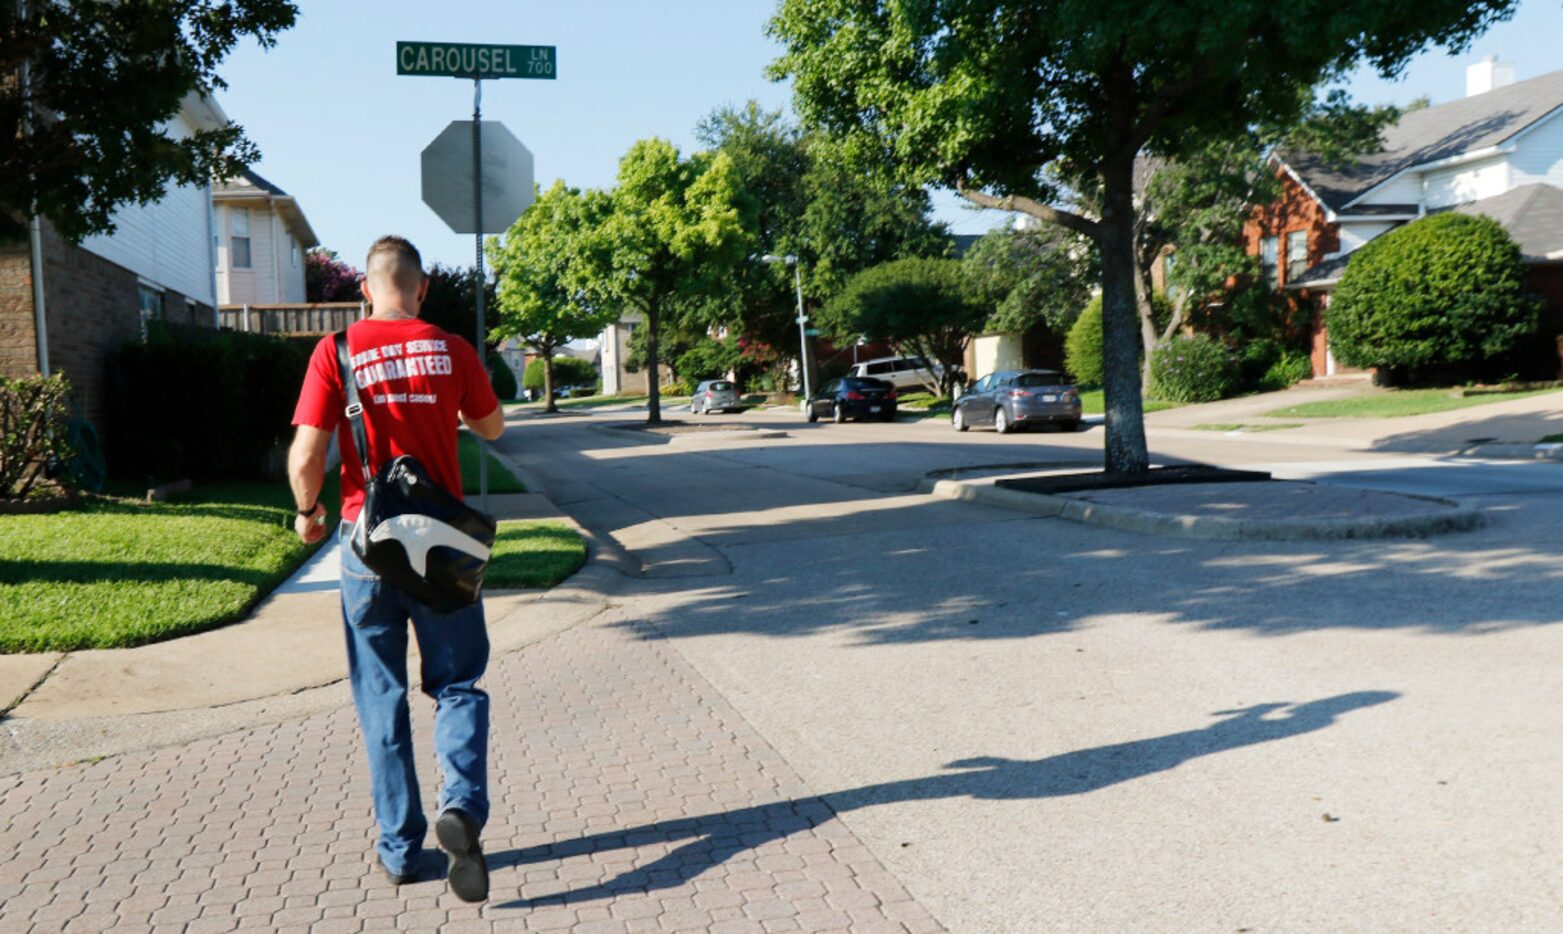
x: 262, y: 236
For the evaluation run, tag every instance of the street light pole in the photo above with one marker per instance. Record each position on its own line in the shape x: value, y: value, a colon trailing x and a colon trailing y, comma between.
x: 803, y: 319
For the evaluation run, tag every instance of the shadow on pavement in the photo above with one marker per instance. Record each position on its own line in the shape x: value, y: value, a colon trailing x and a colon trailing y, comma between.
x: 715, y: 838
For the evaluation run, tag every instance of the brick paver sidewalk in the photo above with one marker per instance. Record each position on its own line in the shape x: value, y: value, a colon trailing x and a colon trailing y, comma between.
x: 627, y: 796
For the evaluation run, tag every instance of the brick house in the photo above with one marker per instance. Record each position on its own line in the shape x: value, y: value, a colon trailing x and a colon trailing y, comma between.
x: 1497, y: 151
x: 158, y: 264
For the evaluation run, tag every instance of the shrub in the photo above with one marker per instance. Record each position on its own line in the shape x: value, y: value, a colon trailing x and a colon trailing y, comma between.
x: 1255, y: 358
x: 568, y: 371
x: 1446, y: 289
x: 1292, y: 367
x: 501, y: 377
x: 1193, y: 369
x: 1083, y: 344
x: 33, y: 436
x: 203, y: 404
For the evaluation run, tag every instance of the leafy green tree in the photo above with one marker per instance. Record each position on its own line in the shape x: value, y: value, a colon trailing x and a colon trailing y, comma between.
x: 672, y: 232
x: 84, y: 133
x: 1031, y: 277
x: 543, y: 271
x: 451, y: 302
x: 920, y: 307
x: 801, y: 201
x: 1013, y: 104
x: 1446, y: 289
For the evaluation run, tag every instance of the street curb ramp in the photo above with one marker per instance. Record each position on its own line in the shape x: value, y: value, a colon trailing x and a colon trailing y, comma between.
x: 1452, y: 517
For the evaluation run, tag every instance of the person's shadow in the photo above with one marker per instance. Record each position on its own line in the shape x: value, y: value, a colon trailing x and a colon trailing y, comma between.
x: 715, y: 838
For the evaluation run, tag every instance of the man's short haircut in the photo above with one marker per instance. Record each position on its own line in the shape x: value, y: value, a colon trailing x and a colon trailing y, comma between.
x: 395, y: 257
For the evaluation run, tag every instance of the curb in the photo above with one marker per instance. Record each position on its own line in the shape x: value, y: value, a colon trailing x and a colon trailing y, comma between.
x: 1126, y: 519
x: 1541, y: 452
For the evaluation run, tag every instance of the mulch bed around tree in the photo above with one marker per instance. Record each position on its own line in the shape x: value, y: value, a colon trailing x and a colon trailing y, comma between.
x: 1156, y: 476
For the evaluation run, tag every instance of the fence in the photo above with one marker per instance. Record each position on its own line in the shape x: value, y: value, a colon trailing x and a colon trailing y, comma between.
x: 312, y: 318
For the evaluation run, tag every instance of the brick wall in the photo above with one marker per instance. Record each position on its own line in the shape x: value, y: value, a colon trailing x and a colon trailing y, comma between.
x: 92, y: 308
x: 18, y: 345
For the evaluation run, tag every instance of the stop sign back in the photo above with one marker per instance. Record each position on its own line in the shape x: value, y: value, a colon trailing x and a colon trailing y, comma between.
x: 507, y: 177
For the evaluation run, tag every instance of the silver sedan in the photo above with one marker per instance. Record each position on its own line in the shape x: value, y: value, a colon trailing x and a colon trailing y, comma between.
x: 1015, y: 399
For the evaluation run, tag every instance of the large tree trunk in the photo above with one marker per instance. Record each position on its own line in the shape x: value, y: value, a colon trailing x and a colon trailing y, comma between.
x: 653, y: 378
x: 548, y: 380
x: 1121, y: 332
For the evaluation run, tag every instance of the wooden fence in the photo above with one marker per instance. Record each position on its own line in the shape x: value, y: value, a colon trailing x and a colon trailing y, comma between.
x: 313, y: 318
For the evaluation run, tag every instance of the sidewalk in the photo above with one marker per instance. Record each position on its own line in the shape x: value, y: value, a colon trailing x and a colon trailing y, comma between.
x: 1498, y: 429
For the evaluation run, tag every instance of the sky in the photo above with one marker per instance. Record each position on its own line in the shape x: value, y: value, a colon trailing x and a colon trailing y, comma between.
x: 342, y: 133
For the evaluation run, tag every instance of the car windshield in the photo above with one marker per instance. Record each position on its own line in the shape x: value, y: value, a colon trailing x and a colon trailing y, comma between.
x: 1030, y: 380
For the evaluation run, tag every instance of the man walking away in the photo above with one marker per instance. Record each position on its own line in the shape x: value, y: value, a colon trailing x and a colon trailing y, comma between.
x: 414, y: 381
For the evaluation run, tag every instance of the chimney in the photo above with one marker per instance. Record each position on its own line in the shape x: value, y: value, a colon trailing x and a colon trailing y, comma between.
x: 1489, y: 74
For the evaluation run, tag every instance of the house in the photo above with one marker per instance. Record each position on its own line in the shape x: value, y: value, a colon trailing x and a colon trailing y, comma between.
x: 158, y: 264
x: 262, y: 236
x: 1497, y: 151
x: 614, y: 342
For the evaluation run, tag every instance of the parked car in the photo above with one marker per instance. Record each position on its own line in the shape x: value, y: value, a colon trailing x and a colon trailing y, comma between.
x: 900, y: 372
x: 1016, y: 399
x: 853, y: 397
x: 715, y: 395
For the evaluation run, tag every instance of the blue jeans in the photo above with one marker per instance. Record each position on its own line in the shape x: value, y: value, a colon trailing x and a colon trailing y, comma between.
x: 454, y: 647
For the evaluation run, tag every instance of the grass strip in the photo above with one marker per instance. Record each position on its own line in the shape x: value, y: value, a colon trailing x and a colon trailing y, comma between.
x: 113, y: 572
x: 1399, y: 403
x: 500, y: 479
x: 1094, y: 402
x: 534, y: 553
x: 1248, y: 429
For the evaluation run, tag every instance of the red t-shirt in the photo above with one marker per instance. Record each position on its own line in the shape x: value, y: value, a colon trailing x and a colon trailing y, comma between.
x: 413, y: 378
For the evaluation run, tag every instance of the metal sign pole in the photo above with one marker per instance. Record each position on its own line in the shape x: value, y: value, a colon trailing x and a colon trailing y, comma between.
x: 477, y: 216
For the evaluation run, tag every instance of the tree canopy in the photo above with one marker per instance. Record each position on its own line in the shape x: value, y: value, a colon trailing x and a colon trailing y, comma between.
x: 328, y: 279
x: 672, y: 231
x: 1016, y: 104
x: 543, y: 271
x: 85, y: 132
x: 921, y: 307
x: 1029, y: 277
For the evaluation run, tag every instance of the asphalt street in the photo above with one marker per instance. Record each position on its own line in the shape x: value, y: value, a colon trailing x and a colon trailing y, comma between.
x: 1039, y: 725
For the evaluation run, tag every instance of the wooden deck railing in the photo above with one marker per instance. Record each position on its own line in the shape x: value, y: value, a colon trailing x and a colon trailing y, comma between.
x: 312, y: 318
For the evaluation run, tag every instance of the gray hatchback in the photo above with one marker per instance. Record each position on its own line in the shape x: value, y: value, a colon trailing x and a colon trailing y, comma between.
x: 715, y: 395
x: 1018, y: 399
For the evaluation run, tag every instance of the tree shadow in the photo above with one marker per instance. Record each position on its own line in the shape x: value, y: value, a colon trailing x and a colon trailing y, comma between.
x: 712, y: 839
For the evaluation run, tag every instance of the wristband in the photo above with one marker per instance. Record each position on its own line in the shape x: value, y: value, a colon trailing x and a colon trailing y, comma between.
x: 306, y: 513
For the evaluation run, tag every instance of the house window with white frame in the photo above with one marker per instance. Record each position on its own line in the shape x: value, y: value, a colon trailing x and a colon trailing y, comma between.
x: 1296, y: 254
x: 239, y: 239
x: 1270, y: 259
x: 149, y: 302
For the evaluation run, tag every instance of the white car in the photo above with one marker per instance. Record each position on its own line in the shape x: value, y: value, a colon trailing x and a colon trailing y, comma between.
x: 900, y: 372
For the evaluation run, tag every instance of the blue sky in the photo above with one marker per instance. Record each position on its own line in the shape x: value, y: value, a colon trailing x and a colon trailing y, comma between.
x: 342, y: 132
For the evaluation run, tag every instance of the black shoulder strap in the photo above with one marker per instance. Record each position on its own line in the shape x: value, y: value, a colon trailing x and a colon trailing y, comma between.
x: 354, y: 410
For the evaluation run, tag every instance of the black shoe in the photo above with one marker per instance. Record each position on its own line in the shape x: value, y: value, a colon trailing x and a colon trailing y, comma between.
x: 399, y: 878
x: 468, y: 873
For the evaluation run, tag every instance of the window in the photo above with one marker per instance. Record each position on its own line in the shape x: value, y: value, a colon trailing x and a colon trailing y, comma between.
x: 240, y: 239
x: 1296, y: 254
x: 1269, y: 259
x: 149, y: 302
x: 294, y: 256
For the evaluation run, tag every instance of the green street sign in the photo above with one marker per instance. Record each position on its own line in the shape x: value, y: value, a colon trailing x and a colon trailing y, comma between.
x: 811, y: 332
x: 464, y: 60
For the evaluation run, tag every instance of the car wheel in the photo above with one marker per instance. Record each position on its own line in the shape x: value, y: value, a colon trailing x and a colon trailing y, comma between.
x: 838, y: 414
x: 812, y: 413
x: 958, y: 420
x: 1001, y: 421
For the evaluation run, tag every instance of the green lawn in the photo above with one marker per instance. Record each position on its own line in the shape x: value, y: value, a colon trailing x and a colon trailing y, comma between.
x: 119, y: 572
x: 1398, y: 403
x: 1092, y: 402
x: 500, y: 479
x: 535, y: 553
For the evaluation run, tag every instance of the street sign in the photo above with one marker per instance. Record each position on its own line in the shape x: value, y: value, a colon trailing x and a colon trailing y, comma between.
x: 507, y: 177
x: 811, y: 332
x: 464, y: 60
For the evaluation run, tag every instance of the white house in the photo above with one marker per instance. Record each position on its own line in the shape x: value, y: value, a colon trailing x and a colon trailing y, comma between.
x: 262, y: 236
x: 158, y: 264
